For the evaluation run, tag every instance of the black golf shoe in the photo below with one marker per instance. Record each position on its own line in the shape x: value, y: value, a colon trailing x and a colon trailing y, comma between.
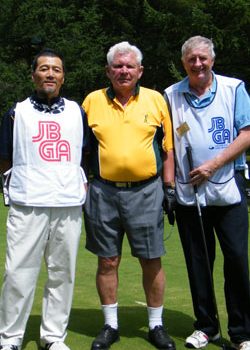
x: 105, y: 338
x: 159, y: 337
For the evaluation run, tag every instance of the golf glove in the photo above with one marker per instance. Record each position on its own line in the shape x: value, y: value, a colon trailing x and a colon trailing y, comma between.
x: 169, y: 203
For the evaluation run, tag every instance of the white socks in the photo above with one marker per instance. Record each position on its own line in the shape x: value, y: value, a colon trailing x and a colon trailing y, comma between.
x: 110, y: 315
x: 154, y: 316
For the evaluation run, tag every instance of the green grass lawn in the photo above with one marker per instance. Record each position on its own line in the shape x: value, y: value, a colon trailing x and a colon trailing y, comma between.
x: 86, y: 318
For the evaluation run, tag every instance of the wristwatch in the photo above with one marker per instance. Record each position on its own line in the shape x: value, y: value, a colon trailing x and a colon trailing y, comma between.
x: 170, y: 184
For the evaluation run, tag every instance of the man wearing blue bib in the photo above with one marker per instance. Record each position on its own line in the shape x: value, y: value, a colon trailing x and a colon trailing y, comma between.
x: 211, y: 116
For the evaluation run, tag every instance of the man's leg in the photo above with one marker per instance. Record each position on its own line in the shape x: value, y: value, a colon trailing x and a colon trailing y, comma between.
x: 104, y: 235
x: 107, y: 279
x: 206, y: 324
x: 60, y: 256
x: 198, y: 274
x: 144, y: 225
x: 153, y: 278
x: 232, y: 232
x: 107, y: 285
x: 26, y: 240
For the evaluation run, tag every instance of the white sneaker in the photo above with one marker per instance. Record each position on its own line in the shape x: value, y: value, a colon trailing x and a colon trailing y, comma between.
x: 10, y: 347
x: 199, y: 339
x: 245, y: 345
x: 57, y: 345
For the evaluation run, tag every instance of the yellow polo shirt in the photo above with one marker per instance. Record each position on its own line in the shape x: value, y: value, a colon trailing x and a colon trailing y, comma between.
x: 126, y: 137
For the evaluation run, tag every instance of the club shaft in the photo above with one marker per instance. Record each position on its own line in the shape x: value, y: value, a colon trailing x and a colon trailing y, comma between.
x: 197, y: 202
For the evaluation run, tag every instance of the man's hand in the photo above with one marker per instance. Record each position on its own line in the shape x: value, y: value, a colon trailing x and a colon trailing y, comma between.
x: 169, y: 203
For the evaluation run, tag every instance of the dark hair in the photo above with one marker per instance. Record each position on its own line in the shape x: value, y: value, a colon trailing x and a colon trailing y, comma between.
x: 47, y: 52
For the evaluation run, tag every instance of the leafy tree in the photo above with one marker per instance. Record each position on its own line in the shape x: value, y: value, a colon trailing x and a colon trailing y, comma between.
x: 67, y: 26
x: 231, y: 36
x: 83, y: 30
x: 227, y: 22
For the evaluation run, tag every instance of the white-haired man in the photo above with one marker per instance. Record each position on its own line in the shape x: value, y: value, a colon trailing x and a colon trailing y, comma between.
x: 127, y: 155
x: 211, y: 116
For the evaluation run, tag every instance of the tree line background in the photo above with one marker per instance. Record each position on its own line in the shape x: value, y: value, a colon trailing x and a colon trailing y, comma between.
x: 83, y: 30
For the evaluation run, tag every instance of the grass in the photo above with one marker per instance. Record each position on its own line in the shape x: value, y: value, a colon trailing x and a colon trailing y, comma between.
x: 86, y: 317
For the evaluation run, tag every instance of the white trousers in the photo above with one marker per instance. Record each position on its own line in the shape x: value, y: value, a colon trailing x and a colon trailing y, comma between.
x: 34, y: 233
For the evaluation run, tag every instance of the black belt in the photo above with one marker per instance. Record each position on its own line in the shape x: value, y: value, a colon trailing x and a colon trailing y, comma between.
x: 129, y: 184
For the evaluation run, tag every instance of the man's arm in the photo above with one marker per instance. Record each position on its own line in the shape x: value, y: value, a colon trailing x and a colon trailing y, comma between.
x: 240, y: 144
x: 208, y: 168
x: 6, y: 140
x: 169, y: 202
x: 169, y: 168
x: 85, y: 145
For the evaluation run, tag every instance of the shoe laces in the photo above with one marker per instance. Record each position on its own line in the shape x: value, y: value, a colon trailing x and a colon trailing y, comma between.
x: 160, y: 330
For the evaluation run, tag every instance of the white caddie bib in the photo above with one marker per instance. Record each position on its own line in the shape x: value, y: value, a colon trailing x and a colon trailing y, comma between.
x: 47, y: 150
x: 207, y: 131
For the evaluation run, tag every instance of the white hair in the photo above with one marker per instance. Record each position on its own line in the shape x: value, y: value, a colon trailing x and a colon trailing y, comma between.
x: 196, y: 41
x: 123, y: 47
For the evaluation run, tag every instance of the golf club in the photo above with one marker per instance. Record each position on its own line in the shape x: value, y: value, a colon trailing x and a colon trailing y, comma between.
x: 190, y: 162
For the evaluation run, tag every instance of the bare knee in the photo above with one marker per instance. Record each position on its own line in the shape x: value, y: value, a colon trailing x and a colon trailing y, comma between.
x: 151, y: 264
x: 108, y: 266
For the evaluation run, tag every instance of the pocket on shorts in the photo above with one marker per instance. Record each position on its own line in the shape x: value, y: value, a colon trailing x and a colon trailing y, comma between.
x: 90, y: 205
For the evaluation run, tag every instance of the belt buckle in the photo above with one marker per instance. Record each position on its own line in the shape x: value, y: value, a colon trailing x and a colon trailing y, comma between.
x: 120, y: 184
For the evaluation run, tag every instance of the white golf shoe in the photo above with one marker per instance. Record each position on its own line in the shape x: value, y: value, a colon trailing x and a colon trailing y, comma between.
x: 10, y: 347
x: 57, y: 345
x: 199, y: 340
x: 245, y: 345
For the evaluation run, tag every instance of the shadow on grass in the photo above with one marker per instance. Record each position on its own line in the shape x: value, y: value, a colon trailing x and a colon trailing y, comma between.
x: 132, y: 323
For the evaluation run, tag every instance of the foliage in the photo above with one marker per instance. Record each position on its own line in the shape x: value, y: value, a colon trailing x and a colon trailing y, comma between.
x: 84, y: 30
x: 69, y: 27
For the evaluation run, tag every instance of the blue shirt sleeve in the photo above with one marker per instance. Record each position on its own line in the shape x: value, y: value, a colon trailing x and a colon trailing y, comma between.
x: 242, y: 107
x: 242, y: 119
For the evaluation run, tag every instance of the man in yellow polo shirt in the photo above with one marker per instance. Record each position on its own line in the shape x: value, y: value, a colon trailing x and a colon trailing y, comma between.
x: 131, y: 152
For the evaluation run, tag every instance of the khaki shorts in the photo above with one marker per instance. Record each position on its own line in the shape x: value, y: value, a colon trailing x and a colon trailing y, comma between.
x: 110, y: 212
